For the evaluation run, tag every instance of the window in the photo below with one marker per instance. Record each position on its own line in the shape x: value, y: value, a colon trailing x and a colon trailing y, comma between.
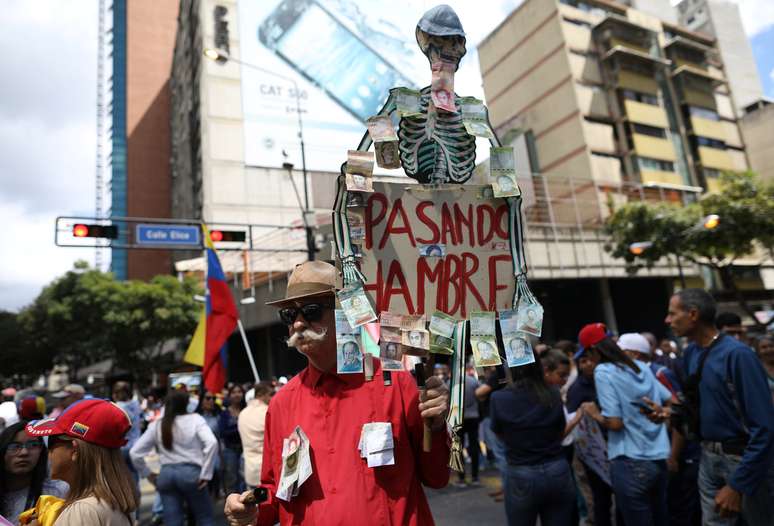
x: 710, y: 173
x: 646, y: 163
x: 712, y: 143
x: 640, y: 97
x: 703, y: 113
x: 652, y: 131
x: 577, y: 22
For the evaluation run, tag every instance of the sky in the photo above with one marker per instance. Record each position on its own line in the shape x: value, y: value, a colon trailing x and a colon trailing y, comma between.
x: 48, y: 125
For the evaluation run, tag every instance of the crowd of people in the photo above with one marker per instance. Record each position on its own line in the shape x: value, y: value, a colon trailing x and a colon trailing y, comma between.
x: 611, y: 429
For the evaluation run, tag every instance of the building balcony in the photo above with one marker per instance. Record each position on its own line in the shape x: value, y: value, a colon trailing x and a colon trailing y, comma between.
x: 642, y: 113
x: 624, y: 31
x: 626, y: 79
x: 659, y: 177
x: 653, y: 147
x: 708, y: 128
x: 700, y: 98
x: 695, y: 74
x: 715, y: 158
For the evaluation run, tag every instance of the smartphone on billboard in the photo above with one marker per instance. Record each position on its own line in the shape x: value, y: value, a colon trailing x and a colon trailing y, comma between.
x: 320, y: 48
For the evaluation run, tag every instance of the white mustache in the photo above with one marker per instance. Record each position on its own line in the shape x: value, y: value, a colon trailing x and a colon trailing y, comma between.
x: 306, y: 335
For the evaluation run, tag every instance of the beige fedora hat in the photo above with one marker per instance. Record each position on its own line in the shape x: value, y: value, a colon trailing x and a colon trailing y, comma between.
x: 310, y: 279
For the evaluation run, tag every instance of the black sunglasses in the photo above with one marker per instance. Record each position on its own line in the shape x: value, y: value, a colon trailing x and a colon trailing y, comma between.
x: 311, y: 312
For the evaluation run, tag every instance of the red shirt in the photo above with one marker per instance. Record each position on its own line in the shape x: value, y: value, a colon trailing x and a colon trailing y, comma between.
x: 342, y: 490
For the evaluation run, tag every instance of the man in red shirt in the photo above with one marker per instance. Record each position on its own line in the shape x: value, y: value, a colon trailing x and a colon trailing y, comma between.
x: 331, y: 409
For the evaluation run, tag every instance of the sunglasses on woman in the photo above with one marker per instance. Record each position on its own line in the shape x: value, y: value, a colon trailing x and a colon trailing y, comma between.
x: 311, y: 312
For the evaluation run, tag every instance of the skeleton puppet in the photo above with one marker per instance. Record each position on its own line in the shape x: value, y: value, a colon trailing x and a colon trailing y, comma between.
x: 436, y: 140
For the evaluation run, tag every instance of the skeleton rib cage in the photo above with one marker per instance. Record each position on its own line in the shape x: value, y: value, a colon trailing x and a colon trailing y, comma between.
x: 434, y: 146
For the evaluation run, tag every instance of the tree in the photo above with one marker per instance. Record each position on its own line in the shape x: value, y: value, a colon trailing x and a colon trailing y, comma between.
x: 86, y: 316
x: 744, y: 206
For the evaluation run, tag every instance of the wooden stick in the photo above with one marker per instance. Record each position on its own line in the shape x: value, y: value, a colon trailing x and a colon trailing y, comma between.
x: 420, y: 370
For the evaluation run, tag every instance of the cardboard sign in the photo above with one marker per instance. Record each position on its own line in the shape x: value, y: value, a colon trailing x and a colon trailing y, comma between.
x: 475, y: 271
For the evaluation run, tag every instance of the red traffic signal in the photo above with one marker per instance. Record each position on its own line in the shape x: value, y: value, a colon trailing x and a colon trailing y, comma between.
x: 104, y: 231
x: 233, y: 236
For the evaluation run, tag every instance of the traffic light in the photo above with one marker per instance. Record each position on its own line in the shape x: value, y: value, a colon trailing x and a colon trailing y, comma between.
x: 232, y: 236
x: 104, y: 231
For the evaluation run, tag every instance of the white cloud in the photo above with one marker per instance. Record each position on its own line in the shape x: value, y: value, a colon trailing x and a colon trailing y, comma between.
x: 30, y: 259
x: 47, y: 137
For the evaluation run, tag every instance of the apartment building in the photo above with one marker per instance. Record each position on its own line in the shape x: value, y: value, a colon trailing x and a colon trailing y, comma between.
x: 721, y: 19
x: 610, y: 94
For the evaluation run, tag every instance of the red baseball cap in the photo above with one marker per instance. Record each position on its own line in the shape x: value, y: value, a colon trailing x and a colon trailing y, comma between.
x: 590, y: 335
x: 96, y: 421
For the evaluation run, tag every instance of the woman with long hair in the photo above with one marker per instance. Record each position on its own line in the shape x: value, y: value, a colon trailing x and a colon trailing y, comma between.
x: 637, y: 446
x: 23, y: 472
x: 187, y: 449
x: 233, y: 481
x: 529, y: 417
x: 85, y: 451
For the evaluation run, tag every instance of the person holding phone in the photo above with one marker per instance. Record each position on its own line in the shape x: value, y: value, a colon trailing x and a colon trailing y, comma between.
x: 630, y: 396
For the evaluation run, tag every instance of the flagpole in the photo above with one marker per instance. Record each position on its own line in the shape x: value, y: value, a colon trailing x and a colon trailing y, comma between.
x: 248, y: 350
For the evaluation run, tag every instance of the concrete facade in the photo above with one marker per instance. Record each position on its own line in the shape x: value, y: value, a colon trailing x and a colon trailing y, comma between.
x: 721, y: 19
x: 758, y: 130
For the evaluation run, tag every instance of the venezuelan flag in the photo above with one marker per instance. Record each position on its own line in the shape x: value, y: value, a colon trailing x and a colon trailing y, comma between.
x: 209, y: 345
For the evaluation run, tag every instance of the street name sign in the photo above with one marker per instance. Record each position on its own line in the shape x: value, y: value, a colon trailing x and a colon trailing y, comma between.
x: 168, y: 235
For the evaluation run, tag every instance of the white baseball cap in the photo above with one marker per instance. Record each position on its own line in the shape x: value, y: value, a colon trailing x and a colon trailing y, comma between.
x: 632, y: 341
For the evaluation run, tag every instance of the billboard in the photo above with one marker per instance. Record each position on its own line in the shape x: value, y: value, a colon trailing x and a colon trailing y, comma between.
x: 341, y: 57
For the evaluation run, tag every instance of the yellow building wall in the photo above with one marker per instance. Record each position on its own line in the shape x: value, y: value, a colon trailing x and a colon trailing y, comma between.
x: 653, y: 147
x: 708, y: 128
x: 732, y: 134
x: 645, y: 114
x: 738, y: 160
x: 637, y: 82
x: 699, y: 98
x: 625, y: 43
x: 715, y: 158
x: 660, y: 177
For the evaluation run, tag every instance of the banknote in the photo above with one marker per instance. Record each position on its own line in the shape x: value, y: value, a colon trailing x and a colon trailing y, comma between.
x: 474, y: 117
x: 441, y: 344
x: 391, y: 354
x: 530, y: 318
x: 482, y: 324
x: 359, y: 183
x: 416, y: 339
x: 410, y: 322
x: 442, y: 324
x: 484, y: 351
x: 380, y: 128
x: 342, y: 324
x: 387, y: 154
x: 357, y: 233
x: 361, y: 163
x: 407, y: 102
x: 518, y: 350
x: 356, y: 306
x: 349, y: 358
x: 304, y: 457
x: 289, y: 474
x: 502, y: 168
x: 434, y: 250
x: 389, y: 334
x: 442, y: 86
x: 355, y: 200
x: 355, y: 218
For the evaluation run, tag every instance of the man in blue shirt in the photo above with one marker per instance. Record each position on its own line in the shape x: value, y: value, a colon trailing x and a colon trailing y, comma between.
x: 736, y: 415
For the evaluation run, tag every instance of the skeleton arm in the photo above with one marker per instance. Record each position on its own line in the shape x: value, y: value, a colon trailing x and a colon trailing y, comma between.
x: 352, y: 274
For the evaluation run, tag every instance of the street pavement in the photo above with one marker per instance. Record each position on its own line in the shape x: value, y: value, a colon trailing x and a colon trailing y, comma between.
x: 452, y: 505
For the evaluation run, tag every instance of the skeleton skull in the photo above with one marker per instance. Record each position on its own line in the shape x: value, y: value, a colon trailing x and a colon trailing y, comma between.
x: 440, y: 36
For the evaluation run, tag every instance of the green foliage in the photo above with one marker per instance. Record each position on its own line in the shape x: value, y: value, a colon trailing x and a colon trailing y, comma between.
x: 745, y: 206
x: 86, y: 315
